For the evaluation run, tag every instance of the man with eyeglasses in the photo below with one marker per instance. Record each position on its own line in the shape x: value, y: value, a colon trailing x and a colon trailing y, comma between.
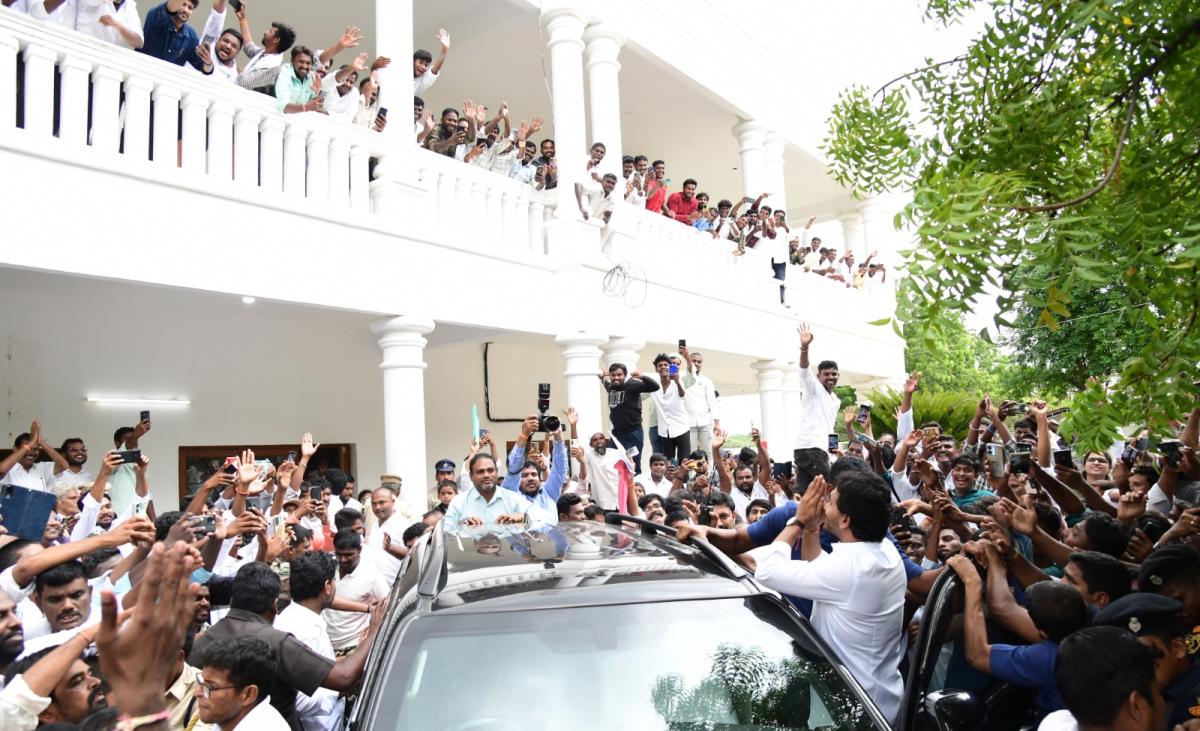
x: 235, y: 678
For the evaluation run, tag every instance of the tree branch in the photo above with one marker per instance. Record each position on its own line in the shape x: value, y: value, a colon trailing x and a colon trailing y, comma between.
x: 914, y: 72
x: 1108, y: 175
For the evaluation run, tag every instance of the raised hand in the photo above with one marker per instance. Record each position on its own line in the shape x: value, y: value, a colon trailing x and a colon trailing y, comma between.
x: 504, y: 109
x: 1130, y: 506
x: 480, y: 115
x: 1024, y: 518
x: 111, y: 461
x: 806, y: 335
x: 427, y: 120
x: 468, y: 108
x: 307, y: 448
x: 911, y: 383
x: 536, y: 124
x: 572, y: 415
x: 443, y: 38
x: 529, y: 426
x: 136, y: 529
x: 202, y: 52
x: 577, y: 453
x: 350, y: 37
x: 809, y: 510
x: 718, y: 439
x: 247, y: 471
x: 382, y: 62
x: 359, y: 62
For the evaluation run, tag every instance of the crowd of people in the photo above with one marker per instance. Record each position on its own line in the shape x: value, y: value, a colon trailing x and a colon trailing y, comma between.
x: 267, y: 583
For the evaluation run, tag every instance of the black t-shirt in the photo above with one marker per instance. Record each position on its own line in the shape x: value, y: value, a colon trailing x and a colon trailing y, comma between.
x: 625, y: 403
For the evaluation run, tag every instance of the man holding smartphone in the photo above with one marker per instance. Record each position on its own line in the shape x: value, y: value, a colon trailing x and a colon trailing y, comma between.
x: 818, y: 413
x: 625, y: 406
x: 674, y: 424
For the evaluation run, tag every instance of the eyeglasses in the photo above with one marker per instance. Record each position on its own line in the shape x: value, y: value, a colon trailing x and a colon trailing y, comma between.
x: 204, y: 689
x: 1101, y: 460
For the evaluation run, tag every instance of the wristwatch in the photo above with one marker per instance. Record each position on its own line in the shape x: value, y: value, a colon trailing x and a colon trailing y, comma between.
x: 791, y: 521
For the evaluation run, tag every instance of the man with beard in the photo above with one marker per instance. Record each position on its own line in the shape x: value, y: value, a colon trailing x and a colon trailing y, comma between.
x: 523, y: 475
x: 652, y: 507
x: 203, y: 613
x: 167, y: 33
x: 483, y: 503
x: 12, y: 635
x: 218, y: 57
x: 75, y: 453
x: 55, y: 685
x: 21, y: 467
x: 357, y: 581
x: 298, y: 87
x: 602, y: 473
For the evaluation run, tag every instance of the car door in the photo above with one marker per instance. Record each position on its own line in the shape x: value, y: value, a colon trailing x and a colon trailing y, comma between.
x: 942, y: 692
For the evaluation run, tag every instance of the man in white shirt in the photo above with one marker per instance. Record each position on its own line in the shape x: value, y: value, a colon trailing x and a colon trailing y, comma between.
x: 655, y: 481
x: 311, y: 586
x: 387, y: 549
x: 674, y: 423
x: 21, y: 467
x: 342, y: 491
x: 857, y: 589
x: 265, y: 59
x: 425, y: 69
x: 115, y: 22
x: 219, y: 46
x: 357, y: 581
x: 701, y: 401
x: 600, y: 464
x: 237, y: 674
x: 75, y: 453
x: 819, y: 407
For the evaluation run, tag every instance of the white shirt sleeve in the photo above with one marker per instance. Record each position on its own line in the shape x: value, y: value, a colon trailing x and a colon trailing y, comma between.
x: 87, y: 518
x: 9, y: 586
x: 904, y: 425
x: 823, y: 578
x: 20, y: 706
x: 1157, y: 500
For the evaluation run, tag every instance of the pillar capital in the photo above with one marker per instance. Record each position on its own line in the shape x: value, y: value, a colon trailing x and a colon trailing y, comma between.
x: 750, y: 134
x: 770, y: 374
x: 581, y: 341
x: 402, y: 340
x: 603, y: 45
x: 625, y: 350
x: 565, y: 25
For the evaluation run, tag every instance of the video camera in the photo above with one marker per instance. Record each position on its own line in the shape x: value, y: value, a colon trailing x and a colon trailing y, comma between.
x: 546, y: 423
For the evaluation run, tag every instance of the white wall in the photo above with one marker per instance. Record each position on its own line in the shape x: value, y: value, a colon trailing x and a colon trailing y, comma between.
x: 254, y: 374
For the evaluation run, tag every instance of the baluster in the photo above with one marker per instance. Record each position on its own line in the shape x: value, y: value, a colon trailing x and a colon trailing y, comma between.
x: 220, y: 140
x: 537, y: 227
x: 339, y: 172
x: 9, y: 48
x: 509, y: 220
x: 106, y: 109
x: 294, y: 140
x: 195, y: 131
x: 521, y: 236
x: 360, y: 178
x: 445, y: 205
x: 137, y: 118
x: 317, y: 180
x: 166, y: 126
x: 271, y: 152
x: 493, y: 220
x: 39, y: 89
x: 245, y: 148
x: 463, y: 212
x: 477, y: 214
x: 73, y: 100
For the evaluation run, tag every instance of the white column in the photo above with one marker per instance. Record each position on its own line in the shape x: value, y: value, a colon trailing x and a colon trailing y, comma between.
x: 195, y: 132
x: 339, y: 172
x: 270, y: 155
x: 623, y: 350
x: 564, y: 26
x: 137, y: 117
x: 878, y: 215
x: 245, y: 148
x: 74, y: 88
x: 852, y: 233
x: 106, y: 109
x: 360, y: 184
x: 402, y: 343
x: 773, y: 171
x: 791, y: 404
x: 295, y: 138
x: 220, y: 141
x: 9, y: 48
x: 166, y: 126
x: 393, y: 36
x: 39, y: 89
x: 604, y: 92
x: 751, y: 139
x: 318, y: 167
x: 581, y: 351
x: 774, y: 414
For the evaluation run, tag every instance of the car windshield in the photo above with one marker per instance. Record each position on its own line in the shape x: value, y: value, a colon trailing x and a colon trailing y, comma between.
x: 678, y: 666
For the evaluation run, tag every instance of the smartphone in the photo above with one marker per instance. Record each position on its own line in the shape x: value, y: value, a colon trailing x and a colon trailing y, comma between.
x: 1130, y: 455
x: 145, y: 416
x: 902, y: 520
x: 782, y: 471
x: 1057, y: 412
x: 230, y: 465
x: 236, y: 5
x: 1018, y: 462
x: 932, y: 432
x: 833, y: 442
x: 995, y: 460
x: 1062, y: 458
x: 206, y: 41
x: 292, y: 456
x: 864, y: 439
x: 132, y: 456
x: 264, y: 465
x: 210, y: 524
x: 682, y: 343
x: 484, y: 432
x: 382, y: 112
x: 1019, y: 408
x: 673, y: 370
x: 864, y: 411
x: 141, y: 507
x: 278, y: 524
x: 315, y: 494
x: 1170, y: 450
x: 575, y: 444
x: 1143, y: 444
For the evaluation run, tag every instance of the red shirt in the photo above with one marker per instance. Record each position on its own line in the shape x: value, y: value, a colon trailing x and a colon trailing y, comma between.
x: 682, y: 208
x: 656, y: 194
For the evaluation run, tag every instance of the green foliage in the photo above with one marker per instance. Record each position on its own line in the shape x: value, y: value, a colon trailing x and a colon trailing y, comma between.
x: 1057, y: 155
x: 957, y: 360
x: 952, y: 409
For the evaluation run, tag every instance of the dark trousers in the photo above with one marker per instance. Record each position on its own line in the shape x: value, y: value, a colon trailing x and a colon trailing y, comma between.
x: 656, y: 446
x: 632, y: 438
x: 780, y: 268
x: 809, y: 463
x: 676, y: 448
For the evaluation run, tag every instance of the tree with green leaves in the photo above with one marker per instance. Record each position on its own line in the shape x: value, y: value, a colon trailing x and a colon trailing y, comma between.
x: 1058, y: 155
x: 954, y: 359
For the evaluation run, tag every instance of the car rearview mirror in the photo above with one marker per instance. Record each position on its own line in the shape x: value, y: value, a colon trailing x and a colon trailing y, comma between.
x: 955, y: 710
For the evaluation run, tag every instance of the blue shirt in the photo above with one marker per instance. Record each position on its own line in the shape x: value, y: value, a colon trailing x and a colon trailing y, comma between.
x: 767, y: 528
x: 544, y: 503
x: 470, y: 504
x: 972, y: 495
x: 163, y: 40
x: 1029, y: 666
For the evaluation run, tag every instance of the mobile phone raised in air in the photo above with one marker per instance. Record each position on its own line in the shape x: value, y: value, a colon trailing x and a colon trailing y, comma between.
x: 1062, y: 458
x: 864, y: 411
x: 315, y: 493
x: 833, y: 442
x: 1018, y: 462
x: 144, y: 416
x: 682, y: 343
x: 995, y: 460
x: 673, y: 370
x: 131, y: 456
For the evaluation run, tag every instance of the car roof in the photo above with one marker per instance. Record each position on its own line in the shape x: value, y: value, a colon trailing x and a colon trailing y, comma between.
x: 493, y: 568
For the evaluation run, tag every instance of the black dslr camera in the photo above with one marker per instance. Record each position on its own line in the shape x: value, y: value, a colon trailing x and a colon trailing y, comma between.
x: 546, y: 423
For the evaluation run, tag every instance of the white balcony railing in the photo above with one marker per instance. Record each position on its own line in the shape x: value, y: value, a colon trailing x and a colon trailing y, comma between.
x: 116, y: 107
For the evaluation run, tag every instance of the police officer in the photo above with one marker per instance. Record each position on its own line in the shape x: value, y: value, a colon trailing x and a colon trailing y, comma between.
x: 1160, y: 624
x: 1174, y: 571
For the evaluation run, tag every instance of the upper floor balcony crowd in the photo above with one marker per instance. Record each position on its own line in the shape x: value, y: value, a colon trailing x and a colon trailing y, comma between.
x: 305, y: 77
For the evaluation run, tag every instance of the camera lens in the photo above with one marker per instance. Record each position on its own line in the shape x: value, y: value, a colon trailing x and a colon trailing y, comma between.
x: 550, y: 423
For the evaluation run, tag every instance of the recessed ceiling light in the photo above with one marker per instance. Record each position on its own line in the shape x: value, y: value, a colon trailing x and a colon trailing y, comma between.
x: 125, y: 400
x: 247, y: 300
